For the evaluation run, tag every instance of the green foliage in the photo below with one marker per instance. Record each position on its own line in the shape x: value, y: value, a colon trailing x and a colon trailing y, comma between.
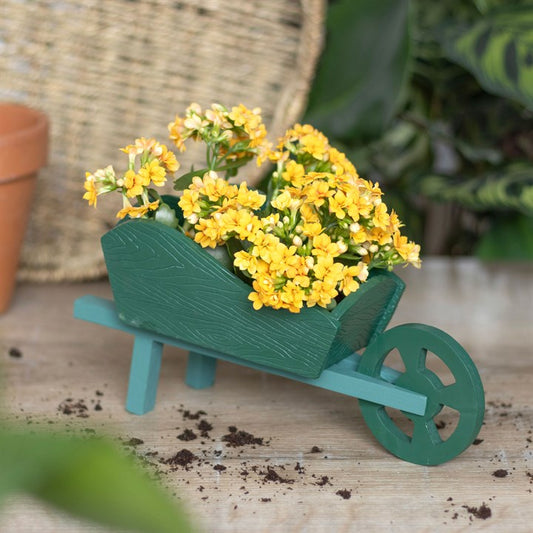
x: 363, y: 72
x: 498, y: 50
x: 462, y: 131
x: 509, y: 236
x: 88, y: 478
x: 507, y: 188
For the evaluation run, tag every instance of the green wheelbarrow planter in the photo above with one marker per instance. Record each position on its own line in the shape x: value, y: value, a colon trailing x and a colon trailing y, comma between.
x: 168, y: 290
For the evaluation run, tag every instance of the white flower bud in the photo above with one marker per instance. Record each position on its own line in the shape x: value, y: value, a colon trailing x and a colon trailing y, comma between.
x: 342, y: 246
x: 355, y: 227
x: 373, y: 248
x: 297, y: 241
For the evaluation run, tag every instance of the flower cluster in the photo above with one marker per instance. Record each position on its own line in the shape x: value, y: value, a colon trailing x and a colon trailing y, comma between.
x: 148, y: 164
x: 232, y: 137
x: 310, y: 240
x: 220, y: 211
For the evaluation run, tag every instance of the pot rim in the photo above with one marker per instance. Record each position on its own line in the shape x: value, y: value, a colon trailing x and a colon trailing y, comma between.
x: 34, y: 135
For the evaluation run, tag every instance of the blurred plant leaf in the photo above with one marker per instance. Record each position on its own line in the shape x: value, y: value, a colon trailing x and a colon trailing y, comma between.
x: 507, y: 188
x: 498, y: 51
x: 508, y: 238
x: 362, y: 74
x: 88, y: 478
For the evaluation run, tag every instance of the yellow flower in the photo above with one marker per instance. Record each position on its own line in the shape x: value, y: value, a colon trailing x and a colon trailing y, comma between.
x: 338, y: 203
x: 208, y: 233
x: 409, y: 251
x: 340, y: 163
x: 292, y: 297
x: 90, y: 188
x: 294, y: 173
x: 134, y: 184
x: 265, y: 245
x: 348, y: 282
x: 312, y: 229
x: 137, y: 211
x: 251, y: 199
x: 322, y: 294
x: 246, y: 261
x: 189, y: 203
x: 322, y: 246
x: 317, y: 192
x: 328, y: 270
x: 315, y: 144
x: 168, y: 159
x: 381, y: 218
x: 309, y: 214
x: 153, y: 171
x: 176, y: 133
x: 217, y: 115
x: 282, y: 201
x: 242, y: 222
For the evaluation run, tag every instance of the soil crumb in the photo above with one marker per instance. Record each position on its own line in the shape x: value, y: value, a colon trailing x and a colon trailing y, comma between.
x: 187, y: 435
x: 236, y: 438
x: 74, y: 407
x: 500, y: 473
x: 344, y: 494
x: 134, y: 441
x: 183, y: 458
x: 483, y: 511
x: 15, y: 352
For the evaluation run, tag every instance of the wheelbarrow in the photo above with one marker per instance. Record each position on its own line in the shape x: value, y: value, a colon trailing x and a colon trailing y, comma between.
x: 168, y: 290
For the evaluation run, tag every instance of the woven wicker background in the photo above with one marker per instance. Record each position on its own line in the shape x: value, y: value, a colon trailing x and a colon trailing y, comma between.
x: 109, y: 71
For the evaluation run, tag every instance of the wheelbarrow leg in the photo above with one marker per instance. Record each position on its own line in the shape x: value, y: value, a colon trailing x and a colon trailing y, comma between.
x: 144, y: 374
x: 201, y: 370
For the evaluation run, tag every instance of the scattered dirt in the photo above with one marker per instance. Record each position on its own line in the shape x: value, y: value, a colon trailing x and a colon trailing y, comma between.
x: 236, y: 438
x: 500, y: 473
x: 345, y: 494
x: 483, y: 511
x: 14, y: 352
x: 187, y: 435
x: 77, y: 408
x: 134, y: 441
x: 204, y: 427
x: 183, y: 458
x: 187, y: 415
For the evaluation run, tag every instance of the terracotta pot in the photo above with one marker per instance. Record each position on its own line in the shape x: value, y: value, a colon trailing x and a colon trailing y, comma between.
x: 23, y: 151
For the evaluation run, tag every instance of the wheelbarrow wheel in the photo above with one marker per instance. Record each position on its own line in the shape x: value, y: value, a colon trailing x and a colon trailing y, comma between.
x: 462, y: 394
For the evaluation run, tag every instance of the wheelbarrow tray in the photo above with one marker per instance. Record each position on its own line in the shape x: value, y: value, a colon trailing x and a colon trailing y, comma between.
x: 164, y: 282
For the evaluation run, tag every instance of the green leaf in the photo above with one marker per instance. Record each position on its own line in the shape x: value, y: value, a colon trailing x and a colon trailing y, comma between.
x: 363, y: 70
x: 508, y: 238
x: 498, y: 51
x: 508, y: 188
x: 88, y: 478
x: 181, y: 183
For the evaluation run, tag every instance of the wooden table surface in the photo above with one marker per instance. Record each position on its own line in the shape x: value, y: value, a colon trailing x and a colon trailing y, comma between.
x: 486, y: 307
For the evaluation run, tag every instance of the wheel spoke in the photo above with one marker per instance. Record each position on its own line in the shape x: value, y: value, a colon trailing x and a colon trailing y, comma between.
x: 456, y: 396
x: 425, y: 434
x: 414, y: 357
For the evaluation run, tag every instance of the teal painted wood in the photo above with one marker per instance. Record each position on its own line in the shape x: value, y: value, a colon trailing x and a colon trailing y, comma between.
x: 466, y: 396
x: 364, y: 314
x: 164, y: 282
x: 144, y: 374
x: 342, y: 377
x: 201, y: 370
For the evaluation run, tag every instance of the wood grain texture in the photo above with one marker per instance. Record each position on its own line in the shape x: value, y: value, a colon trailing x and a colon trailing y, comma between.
x: 164, y: 282
x: 486, y: 307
